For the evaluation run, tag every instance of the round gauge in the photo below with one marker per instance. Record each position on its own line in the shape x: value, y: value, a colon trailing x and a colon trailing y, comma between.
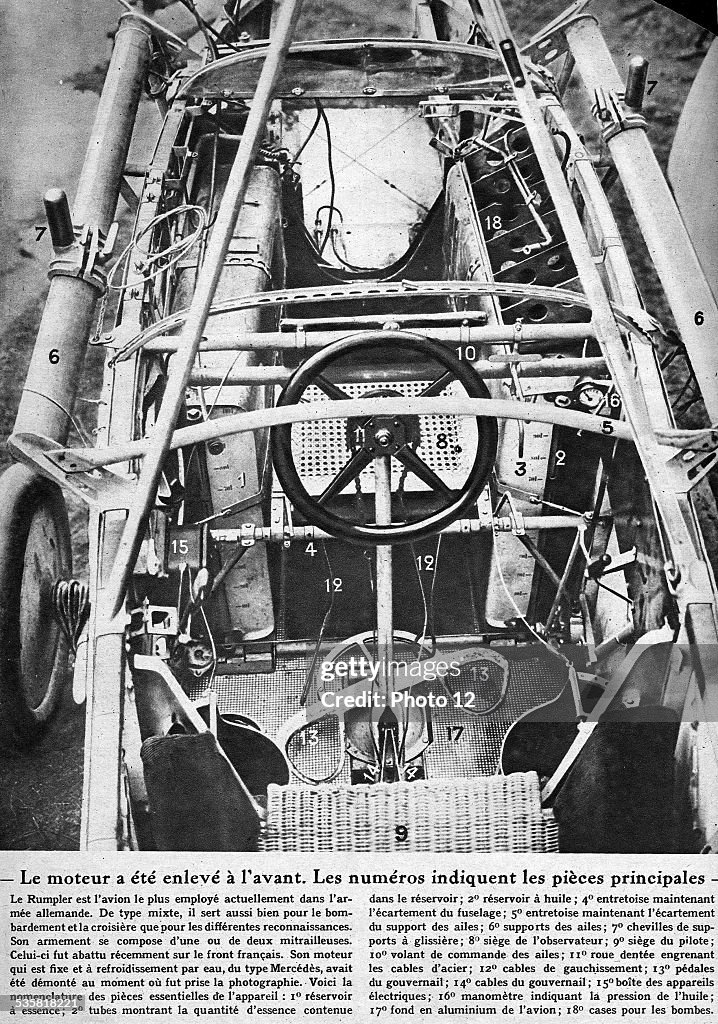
x: 591, y: 396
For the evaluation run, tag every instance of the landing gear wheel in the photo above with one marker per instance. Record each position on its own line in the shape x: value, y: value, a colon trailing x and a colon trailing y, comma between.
x: 384, y: 436
x: 35, y: 551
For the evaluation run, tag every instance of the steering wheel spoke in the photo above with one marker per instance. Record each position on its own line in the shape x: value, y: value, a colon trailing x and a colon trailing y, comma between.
x: 439, y: 385
x: 349, y: 471
x: 331, y: 390
x: 408, y: 457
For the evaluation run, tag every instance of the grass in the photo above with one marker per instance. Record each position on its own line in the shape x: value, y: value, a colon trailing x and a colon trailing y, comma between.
x: 344, y: 19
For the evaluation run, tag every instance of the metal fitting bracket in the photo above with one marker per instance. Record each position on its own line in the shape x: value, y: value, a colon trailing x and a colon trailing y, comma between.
x: 86, y: 257
x: 613, y: 117
x: 247, y: 538
x: 281, y: 527
x: 549, y: 43
x: 688, y: 466
x: 153, y: 620
x: 103, y: 489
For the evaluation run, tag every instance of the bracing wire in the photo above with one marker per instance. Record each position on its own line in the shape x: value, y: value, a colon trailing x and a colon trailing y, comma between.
x: 322, y: 629
x: 332, y: 179
x: 151, y: 264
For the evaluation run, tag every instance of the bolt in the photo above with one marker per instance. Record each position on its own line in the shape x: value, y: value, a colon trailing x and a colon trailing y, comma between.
x: 383, y: 437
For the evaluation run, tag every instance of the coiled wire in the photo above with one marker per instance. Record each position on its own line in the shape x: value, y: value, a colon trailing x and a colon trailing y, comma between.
x: 156, y: 263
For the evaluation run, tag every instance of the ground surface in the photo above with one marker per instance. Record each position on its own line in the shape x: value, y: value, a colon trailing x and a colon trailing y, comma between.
x: 51, y: 59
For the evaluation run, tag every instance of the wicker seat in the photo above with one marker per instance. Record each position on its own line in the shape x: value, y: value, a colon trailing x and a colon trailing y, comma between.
x: 481, y: 815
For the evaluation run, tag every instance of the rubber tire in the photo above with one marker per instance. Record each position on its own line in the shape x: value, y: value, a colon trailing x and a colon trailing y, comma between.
x: 32, y: 512
x: 366, y: 342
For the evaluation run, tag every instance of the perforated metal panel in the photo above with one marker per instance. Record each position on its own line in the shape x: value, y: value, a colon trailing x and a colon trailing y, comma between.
x: 477, y: 750
x: 271, y: 699
x: 448, y: 443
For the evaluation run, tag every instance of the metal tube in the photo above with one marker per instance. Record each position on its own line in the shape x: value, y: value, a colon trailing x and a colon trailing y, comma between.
x: 465, y: 316
x: 301, y: 534
x: 600, y: 224
x: 240, y: 423
x: 300, y: 341
x: 540, y: 559
x: 563, y: 582
x: 384, y: 577
x: 59, y: 352
x: 487, y: 370
x: 99, y: 184
x: 599, y: 218
x: 687, y: 291
x: 606, y: 320
x: 384, y: 290
x: 48, y: 395
x: 103, y: 742
x: 297, y: 648
x: 201, y: 302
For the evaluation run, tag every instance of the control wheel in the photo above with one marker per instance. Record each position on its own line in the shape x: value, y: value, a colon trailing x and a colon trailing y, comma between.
x: 374, y: 437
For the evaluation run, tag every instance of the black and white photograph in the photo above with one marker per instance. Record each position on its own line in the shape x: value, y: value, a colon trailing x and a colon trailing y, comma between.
x: 359, y: 368
x: 359, y: 510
